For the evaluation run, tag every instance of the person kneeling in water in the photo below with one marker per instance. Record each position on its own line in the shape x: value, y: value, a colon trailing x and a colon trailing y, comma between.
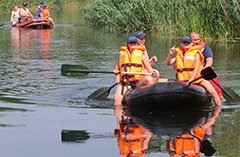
x: 132, y: 59
x: 189, y: 64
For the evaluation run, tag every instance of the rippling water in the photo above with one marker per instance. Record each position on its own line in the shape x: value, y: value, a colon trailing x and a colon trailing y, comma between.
x: 38, y: 103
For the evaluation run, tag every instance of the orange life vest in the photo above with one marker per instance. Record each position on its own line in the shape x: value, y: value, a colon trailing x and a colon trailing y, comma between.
x: 185, y: 63
x: 202, y: 44
x: 130, y: 141
x: 185, y: 144
x: 131, y: 63
x: 45, y: 13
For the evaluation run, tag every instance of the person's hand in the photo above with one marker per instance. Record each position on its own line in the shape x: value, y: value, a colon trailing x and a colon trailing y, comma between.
x: 172, y: 50
x: 116, y: 72
x: 154, y: 59
x: 154, y: 74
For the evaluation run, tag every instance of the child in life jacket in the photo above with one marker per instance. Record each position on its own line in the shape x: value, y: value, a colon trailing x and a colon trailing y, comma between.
x: 46, y: 14
x: 131, y: 59
x: 188, y: 64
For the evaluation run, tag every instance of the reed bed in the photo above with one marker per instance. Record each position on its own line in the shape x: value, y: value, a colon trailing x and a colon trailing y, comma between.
x: 6, y: 5
x: 215, y: 19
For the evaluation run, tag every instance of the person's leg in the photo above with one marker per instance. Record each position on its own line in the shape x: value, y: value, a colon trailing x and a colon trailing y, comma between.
x: 145, y: 80
x: 118, y: 97
x: 52, y: 21
x: 211, y: 91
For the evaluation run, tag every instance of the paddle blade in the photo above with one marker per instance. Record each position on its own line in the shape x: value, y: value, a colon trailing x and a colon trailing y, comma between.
x: 74, y: 70
x: 230, y: 95
x: 208, y: 73
x: 100, y: 94
x: 76, y: 136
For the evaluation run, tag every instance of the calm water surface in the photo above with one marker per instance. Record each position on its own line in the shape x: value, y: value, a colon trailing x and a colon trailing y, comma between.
x: 39, y: 107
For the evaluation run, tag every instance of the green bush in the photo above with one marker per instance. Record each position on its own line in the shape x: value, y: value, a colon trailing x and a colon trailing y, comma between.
x: 217, y: 19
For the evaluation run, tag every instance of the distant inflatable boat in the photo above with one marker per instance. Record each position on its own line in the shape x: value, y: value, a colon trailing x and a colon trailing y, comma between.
x: 168, y: 95
x: 36, y: 23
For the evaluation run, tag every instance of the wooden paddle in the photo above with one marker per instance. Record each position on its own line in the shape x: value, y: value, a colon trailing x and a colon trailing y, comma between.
x: 209, y: 74
x: 80, y: 71
x: 5, y: 23
x: 101, y: 93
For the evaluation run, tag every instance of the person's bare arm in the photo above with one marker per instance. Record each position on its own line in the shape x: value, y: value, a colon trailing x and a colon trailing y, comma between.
x: 209, y: 62
x: 116, y: 70
x: 29, y: 13
x: 12, y: 16
x: 196, y: 69
x: 147, y: 64
x: 170, y: 60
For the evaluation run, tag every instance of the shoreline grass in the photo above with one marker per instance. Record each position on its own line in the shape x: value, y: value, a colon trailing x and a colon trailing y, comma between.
x: 6, y: 5
x: 213, y: 19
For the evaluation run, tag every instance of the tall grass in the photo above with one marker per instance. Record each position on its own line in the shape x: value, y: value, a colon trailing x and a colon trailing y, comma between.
x: 6, y: 5
x: 218, y: 19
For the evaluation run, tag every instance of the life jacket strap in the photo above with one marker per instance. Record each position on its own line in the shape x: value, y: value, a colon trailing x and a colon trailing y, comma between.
x: 185, y: 69
x: 132, y: 64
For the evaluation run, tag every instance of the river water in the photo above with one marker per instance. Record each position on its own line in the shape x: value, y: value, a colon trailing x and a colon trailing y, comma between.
x: 39, y: 107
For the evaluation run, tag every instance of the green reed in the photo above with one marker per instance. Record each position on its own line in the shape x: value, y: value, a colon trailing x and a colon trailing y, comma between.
x: 217, y: 19
x: 6, y: 5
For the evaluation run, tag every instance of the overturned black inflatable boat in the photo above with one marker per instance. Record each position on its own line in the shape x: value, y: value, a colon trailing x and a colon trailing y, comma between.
x: 170, y: 94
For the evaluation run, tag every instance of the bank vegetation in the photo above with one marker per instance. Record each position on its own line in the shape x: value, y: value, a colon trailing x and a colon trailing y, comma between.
x: 215, y: 19
x: 6, y: 5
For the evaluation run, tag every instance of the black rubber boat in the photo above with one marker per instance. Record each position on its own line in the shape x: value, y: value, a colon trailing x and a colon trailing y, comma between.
x: 170, y: 94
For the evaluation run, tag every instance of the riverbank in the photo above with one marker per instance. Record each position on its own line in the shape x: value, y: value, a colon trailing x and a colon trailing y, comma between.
x: 6, y: 6
x: 212, y: 19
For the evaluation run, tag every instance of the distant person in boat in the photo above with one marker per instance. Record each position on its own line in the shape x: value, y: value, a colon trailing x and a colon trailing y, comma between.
x: 39, y: 9
x: 25, y: 13
x: 132, y: 59
x: 46, y: 14
x: 15, y: 15
x: 208, y: 59
x: 189, y: 64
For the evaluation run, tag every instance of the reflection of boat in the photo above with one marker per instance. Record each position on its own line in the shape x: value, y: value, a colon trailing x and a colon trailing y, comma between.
x: 170, y: 94
x: 35, y: 23
x: 168, y: 122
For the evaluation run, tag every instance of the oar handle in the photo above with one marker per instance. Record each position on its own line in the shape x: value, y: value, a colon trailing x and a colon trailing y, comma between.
x: 128, y: 73
x: 135, y: 73
x: 195, y: 80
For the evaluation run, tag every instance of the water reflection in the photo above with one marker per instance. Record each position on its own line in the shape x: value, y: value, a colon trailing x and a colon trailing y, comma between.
x: 31, y: 57
x: 133, y: 139
x: 184, y: 132
x: 196, y: 141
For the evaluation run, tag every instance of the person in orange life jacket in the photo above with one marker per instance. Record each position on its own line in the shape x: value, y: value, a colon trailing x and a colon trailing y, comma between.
x: 208, y: 59
x: 188, y: 65
x: 131, y: 59
x: 141, y: 41
x: 141, y: 37
x: 45, y: 14
x: 25, y: 13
